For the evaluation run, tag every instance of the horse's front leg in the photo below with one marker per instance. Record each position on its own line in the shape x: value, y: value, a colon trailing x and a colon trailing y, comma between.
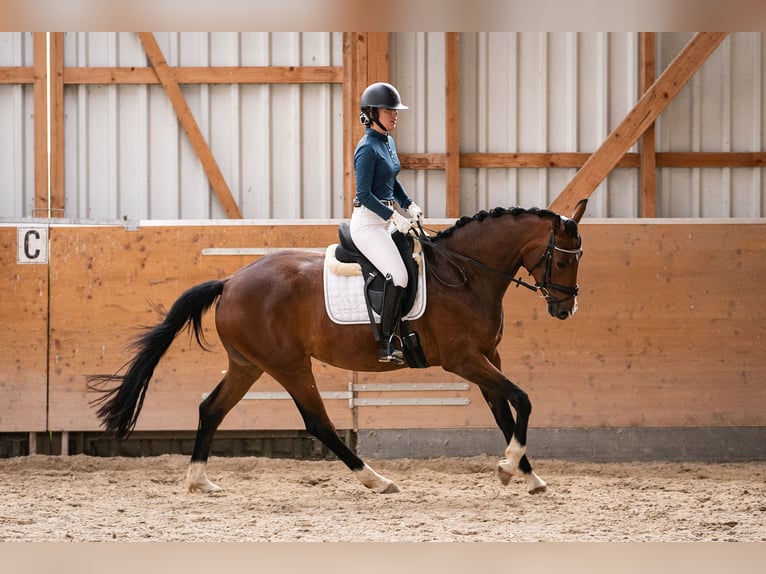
x: 498, y: 391
x: 505, y: 468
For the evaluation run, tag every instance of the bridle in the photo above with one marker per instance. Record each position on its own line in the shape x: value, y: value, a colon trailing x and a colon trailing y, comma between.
x: 544, y: 287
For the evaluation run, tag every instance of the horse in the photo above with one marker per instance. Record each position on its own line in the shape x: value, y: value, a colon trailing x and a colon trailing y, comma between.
x: 270, y: 318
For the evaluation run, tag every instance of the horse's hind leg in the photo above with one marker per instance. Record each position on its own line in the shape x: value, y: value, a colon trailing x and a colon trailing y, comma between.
x: 299, y: 382
x: 235, y: 383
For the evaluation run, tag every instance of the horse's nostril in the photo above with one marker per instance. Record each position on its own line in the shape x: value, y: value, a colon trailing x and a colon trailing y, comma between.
x: 563, y: 315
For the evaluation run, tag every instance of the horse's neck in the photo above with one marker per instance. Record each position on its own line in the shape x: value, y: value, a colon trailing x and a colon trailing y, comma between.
x: 498, y: 244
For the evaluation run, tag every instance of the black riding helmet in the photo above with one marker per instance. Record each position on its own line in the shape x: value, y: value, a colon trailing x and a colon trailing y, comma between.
x: 376, y: 96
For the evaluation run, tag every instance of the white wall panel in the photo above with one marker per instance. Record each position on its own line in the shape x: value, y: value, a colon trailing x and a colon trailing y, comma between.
x: 17, y: 176
x: 417, y: 70
x: 520, y: 92
x: 721, y: 109
x: 279, y: 147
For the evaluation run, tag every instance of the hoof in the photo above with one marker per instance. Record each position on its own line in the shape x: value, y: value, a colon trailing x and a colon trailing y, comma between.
x: 535, y: 484
x: 390, y: 489
x: 504, y: 471
x: 207, y: 488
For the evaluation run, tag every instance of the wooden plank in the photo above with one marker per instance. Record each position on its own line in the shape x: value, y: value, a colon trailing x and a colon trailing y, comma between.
x: 57, y: 164
x: 189, y: 124
x: 351, y: 126
x: 645, y: 112
x: 452, y: 121
x: 426, y: 161
x: 648, y: 172
x: 207, y: 75
x: 41, y: 124
x: 711, y: 159
x: 17, y: 74
x: 423, y: 160
x: 536, y: 160
x: 377, y: 57
x: 23, y: 352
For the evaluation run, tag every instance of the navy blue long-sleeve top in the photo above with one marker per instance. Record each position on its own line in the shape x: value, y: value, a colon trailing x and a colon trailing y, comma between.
x: 376, y: 167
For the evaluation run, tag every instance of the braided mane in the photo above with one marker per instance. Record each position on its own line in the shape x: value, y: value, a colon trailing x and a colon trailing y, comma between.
x: 499, y: 212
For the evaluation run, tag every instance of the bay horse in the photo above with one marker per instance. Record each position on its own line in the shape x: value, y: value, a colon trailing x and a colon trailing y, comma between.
x: 270, y: 317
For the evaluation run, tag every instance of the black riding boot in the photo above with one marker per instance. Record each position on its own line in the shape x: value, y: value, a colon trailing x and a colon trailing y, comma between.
x: 390, y: 314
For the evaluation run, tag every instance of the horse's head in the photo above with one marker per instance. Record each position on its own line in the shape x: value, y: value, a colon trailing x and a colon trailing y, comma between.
x: 554, y: 266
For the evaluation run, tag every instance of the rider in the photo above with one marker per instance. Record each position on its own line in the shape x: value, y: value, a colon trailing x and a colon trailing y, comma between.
x: 375, y: 216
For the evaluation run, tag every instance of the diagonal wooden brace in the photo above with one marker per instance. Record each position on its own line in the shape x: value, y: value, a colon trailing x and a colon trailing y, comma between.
x: 167, y: 79
x: 638, y: 120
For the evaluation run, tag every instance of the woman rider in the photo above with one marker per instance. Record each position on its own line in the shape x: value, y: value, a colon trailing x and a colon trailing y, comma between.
x: 376, y: 167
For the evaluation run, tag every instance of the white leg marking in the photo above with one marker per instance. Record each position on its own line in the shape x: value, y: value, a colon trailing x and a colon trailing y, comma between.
x: 196, y: 479
x: 535, y: 484
x: 376, y: 482
x: 514, y: 452
x: 507, y: 467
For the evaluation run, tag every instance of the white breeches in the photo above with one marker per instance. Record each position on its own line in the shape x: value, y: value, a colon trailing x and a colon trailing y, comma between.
x: 372, y: 235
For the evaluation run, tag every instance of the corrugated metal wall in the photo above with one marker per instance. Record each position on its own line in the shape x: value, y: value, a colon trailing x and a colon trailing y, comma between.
x: 723, y: 108
x: 280, y: 147
x: 17, y: 175
x: 565, y: 92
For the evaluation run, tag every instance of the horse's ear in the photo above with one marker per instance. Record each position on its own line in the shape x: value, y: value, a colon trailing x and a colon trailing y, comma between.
x: 579, y: 210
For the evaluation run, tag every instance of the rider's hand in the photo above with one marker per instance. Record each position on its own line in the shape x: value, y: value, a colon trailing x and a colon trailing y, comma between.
x: 415, y: 212
x: 402, y: 223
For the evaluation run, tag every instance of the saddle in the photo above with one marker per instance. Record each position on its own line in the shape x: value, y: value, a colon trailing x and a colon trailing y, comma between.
x: 374, y: 280
x: 348, y: 252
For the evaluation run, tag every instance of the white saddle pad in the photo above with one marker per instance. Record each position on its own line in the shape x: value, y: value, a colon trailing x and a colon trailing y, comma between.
x: 344, y: 290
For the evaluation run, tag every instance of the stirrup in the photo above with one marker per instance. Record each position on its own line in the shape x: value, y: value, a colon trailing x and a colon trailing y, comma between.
x: 389, y: 353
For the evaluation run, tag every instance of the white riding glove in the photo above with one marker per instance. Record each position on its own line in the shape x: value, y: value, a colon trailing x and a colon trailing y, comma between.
x: 415, y: 212
x: 402, y: 223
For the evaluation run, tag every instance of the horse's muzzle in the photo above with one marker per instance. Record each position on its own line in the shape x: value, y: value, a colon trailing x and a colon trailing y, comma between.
x: 556, y: 310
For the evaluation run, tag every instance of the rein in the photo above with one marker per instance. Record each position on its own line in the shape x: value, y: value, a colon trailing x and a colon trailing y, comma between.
x: 543, y: 287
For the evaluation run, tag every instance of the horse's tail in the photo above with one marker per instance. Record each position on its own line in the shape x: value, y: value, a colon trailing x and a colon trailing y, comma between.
x: 120, y: 406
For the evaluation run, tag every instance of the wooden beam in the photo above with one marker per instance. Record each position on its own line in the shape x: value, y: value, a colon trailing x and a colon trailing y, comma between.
x: 377, y: 57
x: 554, y: 160
x: 428, y: 161
x: 536, y: 160
x: 452, y: 119
x: 57, y: 197
x: 351, y: 71
x: 648, y: 172
x: 711, y: 159
x: 207, y: 75
x: 17, y: 75
x: 186, y: 118
x: 40, y: 50
x: 645, y: 112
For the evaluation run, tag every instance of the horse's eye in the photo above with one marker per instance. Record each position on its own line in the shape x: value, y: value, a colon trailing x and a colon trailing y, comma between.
x: 562, y: 264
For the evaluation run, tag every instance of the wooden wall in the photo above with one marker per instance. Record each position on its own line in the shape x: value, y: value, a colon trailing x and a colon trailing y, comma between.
x: 23, y: 342
x: 669, y: 331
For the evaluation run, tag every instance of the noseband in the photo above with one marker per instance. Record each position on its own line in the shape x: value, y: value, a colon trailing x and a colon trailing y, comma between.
x: 546, y: 285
